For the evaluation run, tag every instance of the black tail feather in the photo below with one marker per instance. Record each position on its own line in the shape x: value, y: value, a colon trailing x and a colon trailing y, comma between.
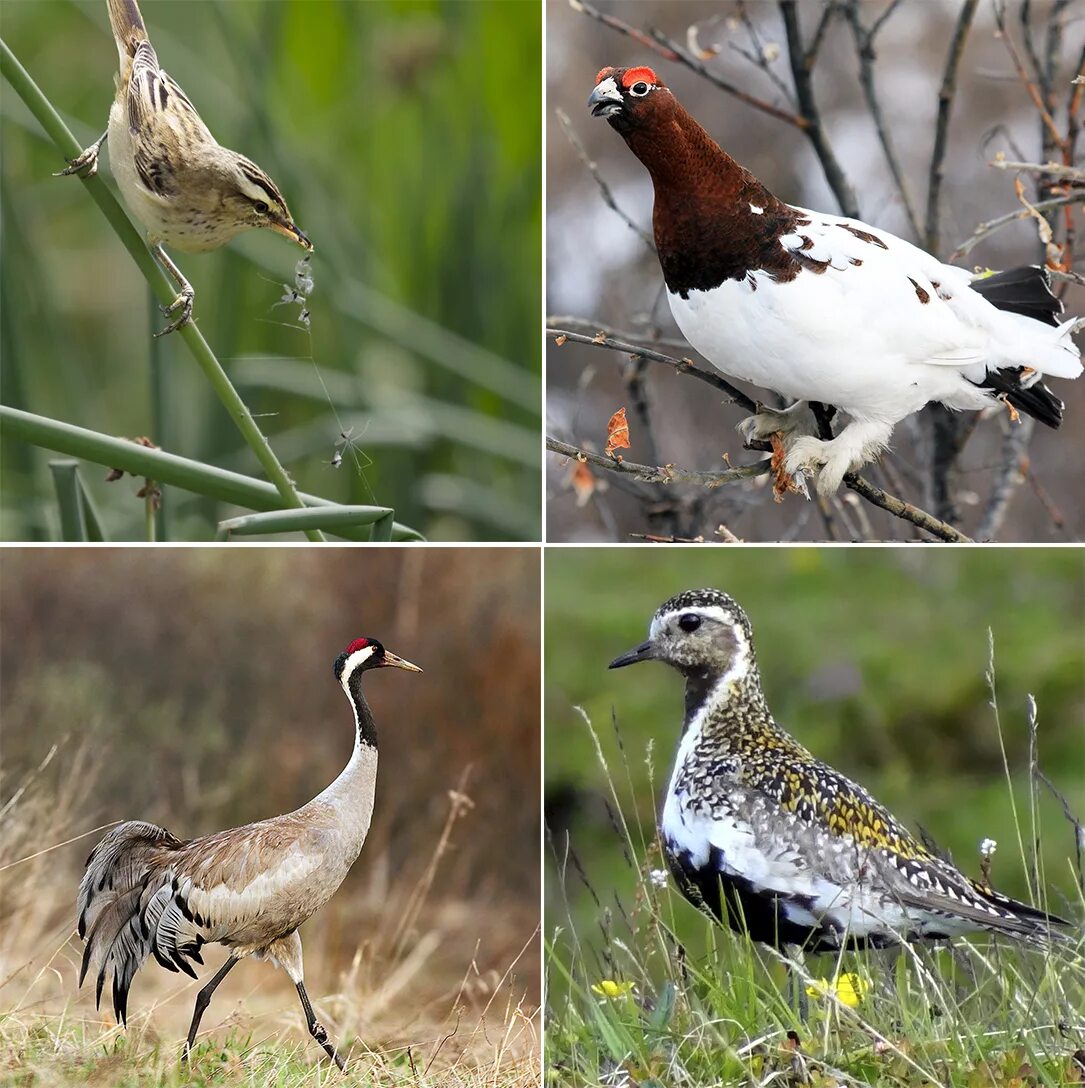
x: 1037, y: 400
x: 1025, y: 290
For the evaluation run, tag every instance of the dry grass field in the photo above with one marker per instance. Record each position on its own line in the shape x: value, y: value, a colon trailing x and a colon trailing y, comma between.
x: 197, y: 692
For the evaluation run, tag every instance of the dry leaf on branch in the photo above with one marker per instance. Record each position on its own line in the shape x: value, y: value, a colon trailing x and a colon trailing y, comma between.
x: 617, y: 434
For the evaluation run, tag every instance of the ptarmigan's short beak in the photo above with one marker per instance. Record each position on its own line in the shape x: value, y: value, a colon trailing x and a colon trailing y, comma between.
x: 644, y: 652
x: 606, y: 99
x: 392, y: 662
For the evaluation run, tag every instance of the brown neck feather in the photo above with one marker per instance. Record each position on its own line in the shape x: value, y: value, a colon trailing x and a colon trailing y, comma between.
x: 704, y: 229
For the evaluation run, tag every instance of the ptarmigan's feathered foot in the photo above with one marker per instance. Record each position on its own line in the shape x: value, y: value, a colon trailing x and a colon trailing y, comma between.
x: 858, y: 443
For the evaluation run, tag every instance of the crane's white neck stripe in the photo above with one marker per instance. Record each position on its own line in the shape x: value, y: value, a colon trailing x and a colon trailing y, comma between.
x: 353, y: 663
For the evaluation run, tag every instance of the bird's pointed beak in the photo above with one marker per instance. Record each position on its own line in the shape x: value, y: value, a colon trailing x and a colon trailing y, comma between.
x: 644, y: 652
x: 606, y: 99
x: 390, y: 661
x: 289, y: 229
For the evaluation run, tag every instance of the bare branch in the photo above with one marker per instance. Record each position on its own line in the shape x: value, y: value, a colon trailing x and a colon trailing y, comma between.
x: 1012, y: 464
x: 802, y: 74
x: 658, y: 474
x: 760, y: 57
x: 622, y: 27
x: 1054, y: 169
x: 890, y: 503
x: 694, y: 65
x: 899, y: 508
x: 683, y: 366
x: 941, y: 132
x: 1051, y: 129
x: 985, y: 230
x: 604, y: 189
x: 864, y: 47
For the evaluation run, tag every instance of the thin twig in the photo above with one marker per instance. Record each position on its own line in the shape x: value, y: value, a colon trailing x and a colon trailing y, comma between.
x: 604, y: 189
x: 657, y: 474
x: 682, y: 366
x: 1034, y: 93
x: 864, y: 47
x: 941, y: 132
x: 985, y: 230
x: 1013, y: 461
x: 679, y: 53
x: 622, y: 27
x: 802, y: 75
x: 760, y: 57
x: 1054, y: 169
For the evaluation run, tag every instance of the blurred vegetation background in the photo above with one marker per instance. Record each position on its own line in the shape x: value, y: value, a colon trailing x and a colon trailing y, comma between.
x: 194, y: 688
x: 873, y: 659
x: 416, y: 170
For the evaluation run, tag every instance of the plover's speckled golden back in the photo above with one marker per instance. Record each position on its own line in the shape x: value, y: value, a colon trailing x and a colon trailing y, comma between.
x: 773, y: 841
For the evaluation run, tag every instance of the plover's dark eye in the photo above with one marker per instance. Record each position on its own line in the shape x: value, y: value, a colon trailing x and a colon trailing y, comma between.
x: 639, y: 89
x: 689, y: 622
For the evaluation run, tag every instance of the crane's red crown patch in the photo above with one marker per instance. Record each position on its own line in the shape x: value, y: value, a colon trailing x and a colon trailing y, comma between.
x: 357, y: 644
x: 636, y: 75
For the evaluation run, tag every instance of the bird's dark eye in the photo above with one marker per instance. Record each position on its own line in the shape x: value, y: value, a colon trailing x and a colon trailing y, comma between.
x: 260, y: 206
x: 639, y: 89
x: 689, y: 622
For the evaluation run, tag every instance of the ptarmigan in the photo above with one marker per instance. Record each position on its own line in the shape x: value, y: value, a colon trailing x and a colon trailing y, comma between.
x: 776, y: 843
x: 823, y: 308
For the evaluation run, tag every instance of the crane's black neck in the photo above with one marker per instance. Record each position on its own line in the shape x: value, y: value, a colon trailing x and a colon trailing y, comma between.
x: 363, y: 716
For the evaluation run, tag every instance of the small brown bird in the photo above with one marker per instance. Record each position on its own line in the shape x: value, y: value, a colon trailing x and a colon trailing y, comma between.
x: 147, y: 893
x: 187, y: 190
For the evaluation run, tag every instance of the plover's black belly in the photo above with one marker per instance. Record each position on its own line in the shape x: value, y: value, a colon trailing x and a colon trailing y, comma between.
x: 767, y: 916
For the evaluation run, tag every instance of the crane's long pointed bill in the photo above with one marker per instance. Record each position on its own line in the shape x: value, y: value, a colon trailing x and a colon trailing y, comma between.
x: 643, y: 652
x: 392, y: 662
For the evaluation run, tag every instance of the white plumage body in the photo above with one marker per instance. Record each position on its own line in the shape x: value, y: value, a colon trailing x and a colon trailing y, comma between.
x: 858, y: 336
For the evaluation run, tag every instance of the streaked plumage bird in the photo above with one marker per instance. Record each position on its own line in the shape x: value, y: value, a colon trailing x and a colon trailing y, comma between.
x: 146, y: 892
x: 187, y: 190
x: 776, y: 843
x: 822, y: 308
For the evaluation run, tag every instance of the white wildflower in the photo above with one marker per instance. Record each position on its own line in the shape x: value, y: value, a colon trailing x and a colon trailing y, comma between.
x: 988, y: 847
x: 658, y: 877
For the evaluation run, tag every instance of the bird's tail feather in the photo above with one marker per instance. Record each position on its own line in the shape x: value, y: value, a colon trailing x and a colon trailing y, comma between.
x: 122, y: 879
x: 1025, y: 290
x: 127, y: 24
x: 1034, y: 400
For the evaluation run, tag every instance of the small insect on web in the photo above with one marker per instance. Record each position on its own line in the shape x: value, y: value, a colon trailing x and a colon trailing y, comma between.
x: 347, y: 442
x: 298, y: 294
x: 302, y: 289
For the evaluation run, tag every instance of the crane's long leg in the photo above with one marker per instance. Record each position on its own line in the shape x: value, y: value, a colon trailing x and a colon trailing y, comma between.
x: 183, y: 301
x: 87, y: 160
x: 203, y: 999
x: 317, y: 1030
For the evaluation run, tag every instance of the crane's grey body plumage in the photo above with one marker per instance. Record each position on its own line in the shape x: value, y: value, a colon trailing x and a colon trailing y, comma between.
x: 147, y: 893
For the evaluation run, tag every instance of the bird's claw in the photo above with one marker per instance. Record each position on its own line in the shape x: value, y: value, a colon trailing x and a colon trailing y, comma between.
x: 85, y: 160
x: 182, y: 302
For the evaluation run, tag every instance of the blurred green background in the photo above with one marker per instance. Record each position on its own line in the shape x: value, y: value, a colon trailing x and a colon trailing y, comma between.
x: 406, y: 139
x: 874, y: 659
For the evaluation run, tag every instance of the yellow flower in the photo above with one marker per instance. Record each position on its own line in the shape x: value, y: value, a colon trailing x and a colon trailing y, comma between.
x: 849, y: 988
x: 607, y: 987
